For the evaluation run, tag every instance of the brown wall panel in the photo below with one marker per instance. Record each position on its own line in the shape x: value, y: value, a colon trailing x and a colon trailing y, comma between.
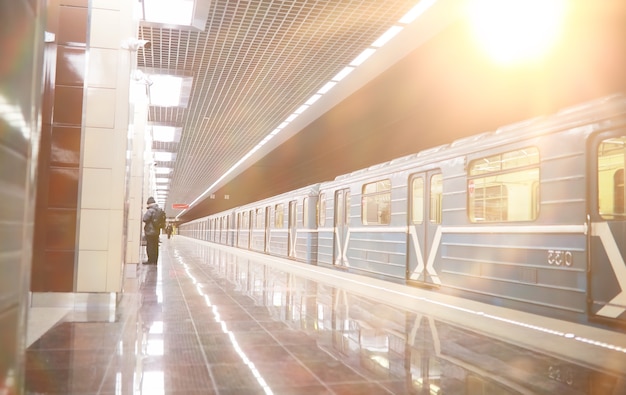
x: 56, y: 278
x: 63, y: 188
x: 72, y: 26
x: 68, y: 105
x: 60, y: 229
x: 70, y: 66
x: 65, y: 64
x: 65, y: 146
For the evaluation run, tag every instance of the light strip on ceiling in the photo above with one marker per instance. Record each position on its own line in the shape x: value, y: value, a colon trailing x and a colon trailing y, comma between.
x: 166, y: 134
x: 171, y: 12
x: 163, y: 156
x: 408, y: 18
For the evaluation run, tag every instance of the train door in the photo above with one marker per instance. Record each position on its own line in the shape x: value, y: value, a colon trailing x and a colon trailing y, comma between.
x: 267, y: 229
x: 342, y: 215
x: 607, y: 216
x: 425, y: 192
x: 291, y: 230
x: 238, y: 229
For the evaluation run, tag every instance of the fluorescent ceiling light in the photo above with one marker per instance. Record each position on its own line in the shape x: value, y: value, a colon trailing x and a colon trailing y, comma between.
x: 163, y: 156
x: 163, y: 170
x: 313, y: 99
x: 301, y: 109
x: 388, y: 35
x: 343, y: 73
x: 171, y: 12
x: 161, y: 180
x: 416, y: 11
x: 362, y: 57
x: 166, y: 90
x: 166, y: 134
x: 328, y: 86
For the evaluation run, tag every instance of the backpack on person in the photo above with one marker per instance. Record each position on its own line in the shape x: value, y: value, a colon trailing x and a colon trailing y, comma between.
x: 160, y: 219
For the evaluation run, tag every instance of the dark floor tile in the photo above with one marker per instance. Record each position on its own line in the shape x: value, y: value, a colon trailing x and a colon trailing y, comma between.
x: 270, y: 353
x: 65, y: 359
x: 209, y: 327
x: 176, y: 341
x: 244, y: 326
x: 186, y: 326
x: 306, y: 390
x: 331, y: 371
x: 184, y: 356
x: 308, y: 352
x: 286, y: 374
x: 237, y: 376
x: 223, y: 354
x: 292, y: 337
x: 359, y: 388
x: 191, y: 377
x: 208, y: 340
x: 272, y: 325
x: 65, y: 381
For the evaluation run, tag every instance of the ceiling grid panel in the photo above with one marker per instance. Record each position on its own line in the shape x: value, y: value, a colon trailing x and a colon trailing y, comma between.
x: 255, y: 63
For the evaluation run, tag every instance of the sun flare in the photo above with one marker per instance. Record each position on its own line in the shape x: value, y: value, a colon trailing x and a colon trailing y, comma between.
x: 513, y: 31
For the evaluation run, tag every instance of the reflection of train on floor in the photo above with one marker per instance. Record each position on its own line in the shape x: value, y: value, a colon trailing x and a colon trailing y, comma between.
x: 406, y: 352
x: 531, y: 216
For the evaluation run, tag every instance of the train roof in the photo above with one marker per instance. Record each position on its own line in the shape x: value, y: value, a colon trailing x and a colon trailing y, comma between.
x: 309, y: 190
x: 591, y: 112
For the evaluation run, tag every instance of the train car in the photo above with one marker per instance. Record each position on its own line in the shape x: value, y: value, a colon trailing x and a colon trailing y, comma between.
x: 531, y: 216
x: 219, y: 228
x: 193, y: 229
x: 283, y: 225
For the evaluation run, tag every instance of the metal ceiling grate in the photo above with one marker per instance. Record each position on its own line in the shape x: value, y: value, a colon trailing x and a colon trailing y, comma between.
x: 253, y: 65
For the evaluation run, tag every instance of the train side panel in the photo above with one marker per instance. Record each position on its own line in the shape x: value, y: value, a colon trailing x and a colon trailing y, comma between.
x: 325, y: 227
x: 531, y: 217
x: 511, y: 260
x: 377, y: 235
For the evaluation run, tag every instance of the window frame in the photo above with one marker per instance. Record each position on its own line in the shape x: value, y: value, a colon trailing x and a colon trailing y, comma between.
x: 378, y: 198
x: 495, y: 195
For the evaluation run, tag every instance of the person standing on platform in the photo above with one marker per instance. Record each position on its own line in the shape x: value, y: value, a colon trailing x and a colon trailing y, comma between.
x: 168, y: 230
x: 153, y: 220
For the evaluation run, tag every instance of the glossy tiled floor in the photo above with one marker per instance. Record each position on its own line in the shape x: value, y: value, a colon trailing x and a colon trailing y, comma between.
x: 207, y: 321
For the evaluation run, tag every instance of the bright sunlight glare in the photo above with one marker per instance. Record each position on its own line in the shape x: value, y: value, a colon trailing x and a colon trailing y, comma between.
x: 514, y: 31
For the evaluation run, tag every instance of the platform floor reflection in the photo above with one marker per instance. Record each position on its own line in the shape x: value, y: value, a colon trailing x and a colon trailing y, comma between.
x: 214, y: 320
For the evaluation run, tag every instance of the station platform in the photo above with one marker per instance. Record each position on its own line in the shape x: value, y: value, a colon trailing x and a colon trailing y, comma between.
x: 210, y: 319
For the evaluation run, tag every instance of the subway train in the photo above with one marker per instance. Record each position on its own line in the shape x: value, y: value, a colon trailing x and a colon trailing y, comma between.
x: 530, y: 216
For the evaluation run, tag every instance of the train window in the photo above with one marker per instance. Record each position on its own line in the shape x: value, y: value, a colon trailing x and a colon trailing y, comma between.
x: 611, y: 191
x: 417, y: 200
x: 305, y: 212
x: 436, y: 193
x: 259, y: 219
x: 504, y: 187
x: 278, y: 216
x: 346, y: 203
x: 376, y: 199
x: 245, y: 223
x: 321, y: 210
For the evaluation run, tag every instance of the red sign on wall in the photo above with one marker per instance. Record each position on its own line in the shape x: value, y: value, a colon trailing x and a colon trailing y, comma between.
x: 180, y: 206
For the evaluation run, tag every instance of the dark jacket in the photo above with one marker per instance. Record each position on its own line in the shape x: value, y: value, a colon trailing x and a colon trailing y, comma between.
x: 149, y: 219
